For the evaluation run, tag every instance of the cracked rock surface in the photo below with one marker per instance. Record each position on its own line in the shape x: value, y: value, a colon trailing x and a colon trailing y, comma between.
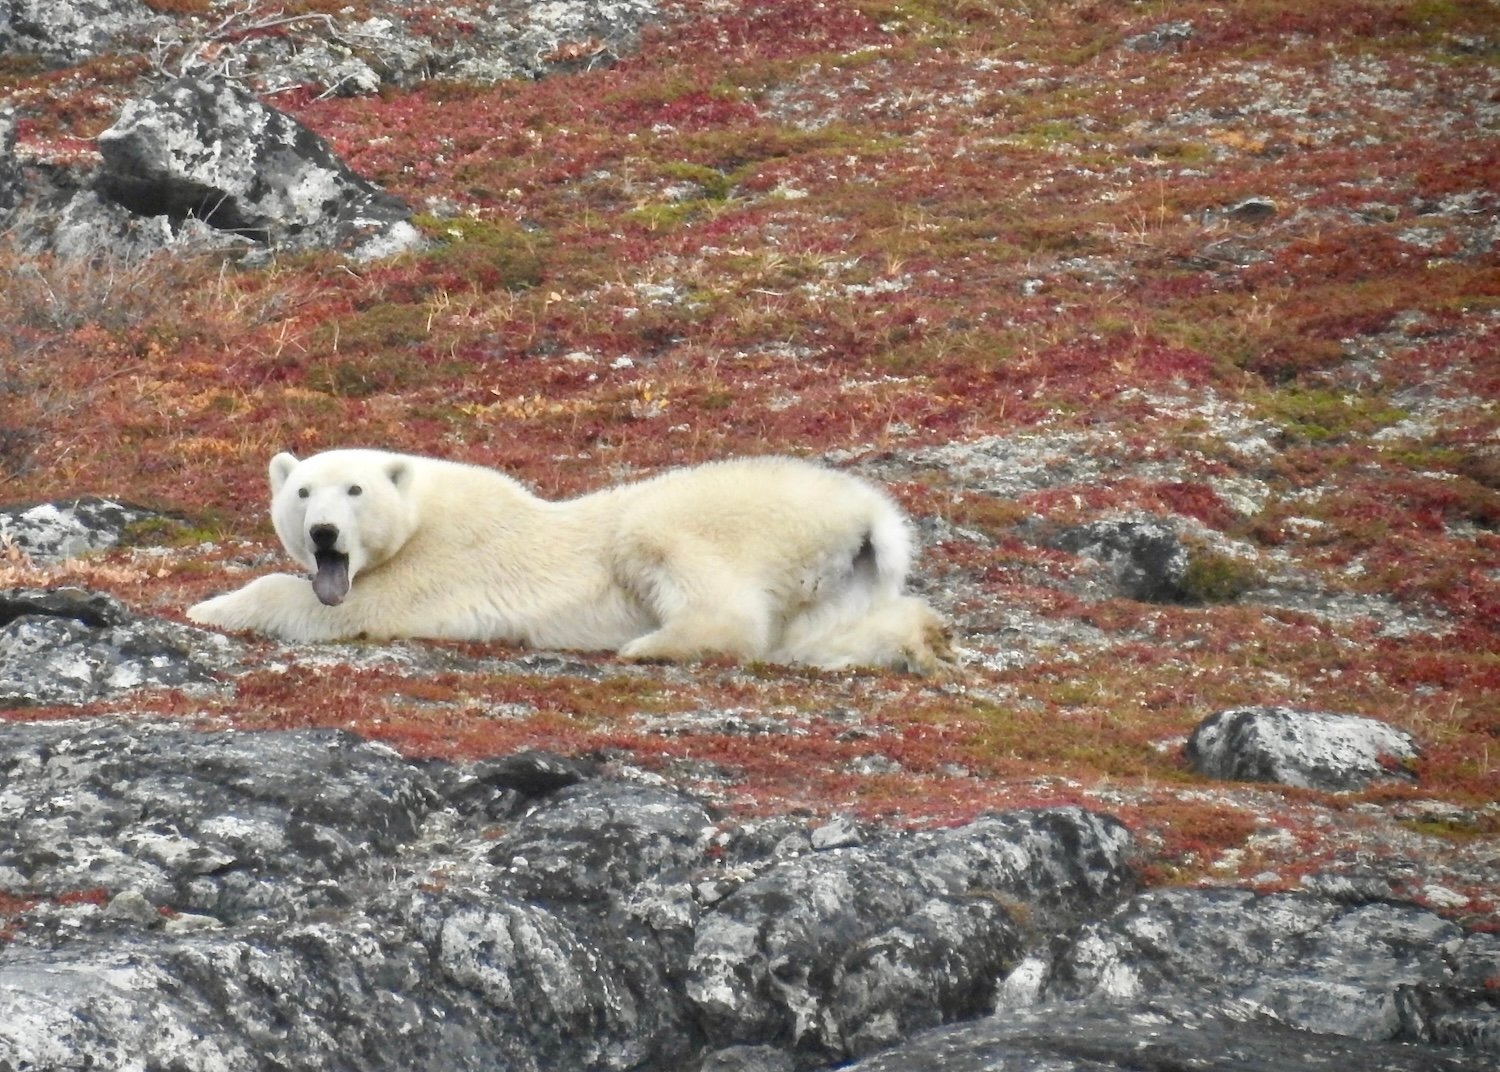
x: 223, y: 899
x: 217, y: 899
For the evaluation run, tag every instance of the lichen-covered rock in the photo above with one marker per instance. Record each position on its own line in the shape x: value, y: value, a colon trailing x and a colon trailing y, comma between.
x: 11, y: 184
x: 1288, y: 981
x: 209, y: 150
x: 207, y: 901
x: 220, y: 823
x: 595, y: 839
x: 53, y: 531
x: 1310, y: 749
x: 807, y: 954
x: 70, y: 30
x: 1142, y: 1039
x: 70, y: 646
x: 1143, y: 557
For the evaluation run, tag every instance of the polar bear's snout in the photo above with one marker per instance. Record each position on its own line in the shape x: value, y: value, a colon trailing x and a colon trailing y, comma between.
x: 324, y: 537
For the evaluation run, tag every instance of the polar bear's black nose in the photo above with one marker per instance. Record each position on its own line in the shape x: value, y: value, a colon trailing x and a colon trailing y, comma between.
x: 324, y: 536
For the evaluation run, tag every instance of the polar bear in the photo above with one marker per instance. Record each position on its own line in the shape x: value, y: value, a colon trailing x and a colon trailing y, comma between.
x: 767, y: 558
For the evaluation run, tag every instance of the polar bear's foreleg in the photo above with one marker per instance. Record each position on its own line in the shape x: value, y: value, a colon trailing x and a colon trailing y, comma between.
x: 279, y: 605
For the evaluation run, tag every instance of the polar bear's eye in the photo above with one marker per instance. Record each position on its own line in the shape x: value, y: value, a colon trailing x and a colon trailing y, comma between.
x: 301, y: 493
x: 355, y: 489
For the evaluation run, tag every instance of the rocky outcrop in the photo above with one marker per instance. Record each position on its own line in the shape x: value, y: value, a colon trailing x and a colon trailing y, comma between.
x: 305, y: 899
x: 762, y: 966
x: 350, y: 51
x: 1226, y: 979
x: 209, y: 150
x: 67, y: 645
x: 54, y: 531
x: 200, y: 164
x: 1138, y: 1038
x: 1310, y: 749
x: 66, y: 31
x: 227, y: 899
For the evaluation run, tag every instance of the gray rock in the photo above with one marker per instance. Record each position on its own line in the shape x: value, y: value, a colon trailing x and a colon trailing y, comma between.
x: 209, y: 150
x: 70, y: 30
x: 1144, y: 557
x: 11, y: 181
x: 748, y: 1059
x: 595, y: 839
x: 132, y: 906
x: 1252, y: 210
x: 1160, y: 38
x: 1093, y: 1039
x: 309, y: 901
x: 1310, y: 749
x: 223, y: 823
x: 836, y: 953
x: 840, y: 833
x: 533, y: 774
x: 1279, y: 981
x: 53, y: 531
x: 71, y: 646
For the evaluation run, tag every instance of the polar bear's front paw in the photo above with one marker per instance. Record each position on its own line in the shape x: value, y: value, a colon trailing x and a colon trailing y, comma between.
x: 212, y: 612
x: 278, y: 605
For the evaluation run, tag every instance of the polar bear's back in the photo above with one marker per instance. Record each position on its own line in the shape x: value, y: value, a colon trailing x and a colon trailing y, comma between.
x: 770, y: 509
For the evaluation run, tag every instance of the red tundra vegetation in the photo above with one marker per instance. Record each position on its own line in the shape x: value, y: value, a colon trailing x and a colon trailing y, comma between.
x: 1241, y: 276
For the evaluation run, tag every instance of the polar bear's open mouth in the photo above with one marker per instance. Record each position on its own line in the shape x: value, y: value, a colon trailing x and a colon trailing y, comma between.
x: 331, y: 582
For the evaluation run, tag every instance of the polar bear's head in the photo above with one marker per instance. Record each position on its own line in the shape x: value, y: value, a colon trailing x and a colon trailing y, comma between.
x: 342, y: 512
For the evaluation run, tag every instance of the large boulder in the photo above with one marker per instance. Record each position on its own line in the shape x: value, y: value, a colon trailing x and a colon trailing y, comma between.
x: 1309, y: 749
x: 1142, y: 557
x: 836, y: 954
x: 1231, y: 980
x: 220, y: 823
x: 53, y: 531
x: 209, y: 150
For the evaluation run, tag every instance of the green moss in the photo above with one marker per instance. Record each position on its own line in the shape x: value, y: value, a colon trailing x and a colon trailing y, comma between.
x: 386, y: 326
x: 1050, y: 133
x: 155, y: 531
x: 666, y: 217
x: 490, y: 253
x: 714, y: 183
x: 360, y: 377
x: 1214, y: 578
x: 1318, y: 416
x: 1468, y: 829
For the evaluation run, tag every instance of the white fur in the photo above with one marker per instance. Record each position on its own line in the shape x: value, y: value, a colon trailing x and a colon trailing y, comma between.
x: 764, y: 558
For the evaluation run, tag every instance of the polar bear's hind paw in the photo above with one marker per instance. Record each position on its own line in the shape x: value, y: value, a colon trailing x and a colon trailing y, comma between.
x: 933, y: 654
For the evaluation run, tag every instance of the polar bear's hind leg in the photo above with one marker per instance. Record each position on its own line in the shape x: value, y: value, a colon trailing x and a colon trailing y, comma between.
x: 896, y: 633
x: 703, y: 613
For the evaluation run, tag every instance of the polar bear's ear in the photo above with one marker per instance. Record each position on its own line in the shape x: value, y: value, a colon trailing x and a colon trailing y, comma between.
x: 398, y: 471
x: 281, y: 468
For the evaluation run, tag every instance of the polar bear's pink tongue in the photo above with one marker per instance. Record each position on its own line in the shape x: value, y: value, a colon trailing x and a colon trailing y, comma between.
x: 331, y: 582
